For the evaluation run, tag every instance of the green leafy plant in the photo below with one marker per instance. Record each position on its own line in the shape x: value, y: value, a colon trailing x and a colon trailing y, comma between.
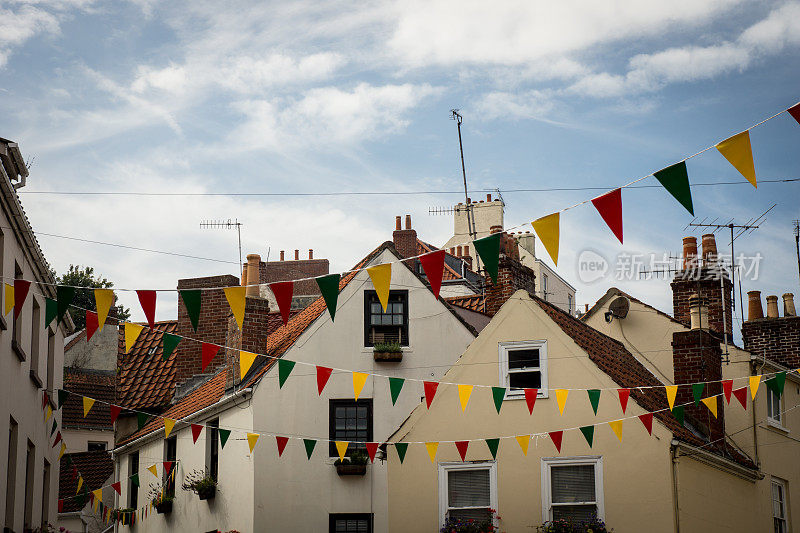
x: 388, y: 347
x: 357, y: 458
x: 158, y: 495
x: 562, y: 525
x: 200, y: 482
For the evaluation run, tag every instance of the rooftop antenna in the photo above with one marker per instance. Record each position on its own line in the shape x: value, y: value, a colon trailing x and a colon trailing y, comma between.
x: 796, y: 224
x: 455, y: 115
x: 227, y: 224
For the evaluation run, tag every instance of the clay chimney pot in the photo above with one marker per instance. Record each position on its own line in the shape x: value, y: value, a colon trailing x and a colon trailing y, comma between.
x: 754, y: 309
x: 689, y: 252
x: 297, y: 255
x: 282, y: 255
x: 788, y: 305
x: 489, y: 197
x: 311, y: 253
x: 458, y: 251
x: 709, y: 249
x: 244, y: 275
x: 397, y: 223
x: 495, y: 229
x: 772, y: 306
x: 253, y: 263
x: 408, y: 221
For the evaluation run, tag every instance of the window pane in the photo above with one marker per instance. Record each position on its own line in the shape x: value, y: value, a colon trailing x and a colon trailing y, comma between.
x: 572, y: 483
x: 523, y: 358
x: 525, y: 380
x: 464, y: 515
x: 351, y: 525
x: 578, y: 513
x: 468, y: 488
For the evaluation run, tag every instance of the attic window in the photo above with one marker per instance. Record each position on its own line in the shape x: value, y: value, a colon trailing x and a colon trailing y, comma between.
x: 523, y: 365
x: 388, y: 326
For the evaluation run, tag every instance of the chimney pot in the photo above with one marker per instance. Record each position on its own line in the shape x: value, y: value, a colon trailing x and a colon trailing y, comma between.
x: 465, y: 250
x: 397, y: 223
x: 408, y: 221
x: 495, y: 229
x: 244, y: 275
x: 458, y: 251
x: 253, y: 275
x: 453, y: 251
x: 311, y: 253
x: 282, y: 255
x: 754, y: 309
x: 709, y: 249
x: 297, y: 255
x: 489, y: 197
x: 772, y: 306
x: 788, y: 305
x: 689, y: 252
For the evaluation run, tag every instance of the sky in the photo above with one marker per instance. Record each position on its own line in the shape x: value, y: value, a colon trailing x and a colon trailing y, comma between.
x: 293, y: 98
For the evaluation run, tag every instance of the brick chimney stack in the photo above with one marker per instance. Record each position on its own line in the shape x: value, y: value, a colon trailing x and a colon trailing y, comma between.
x: 253, y: 266
x: 405, y: 240
x: 702, y: 277
x: 697, y: 357
x: 774, y: 336
x: 512, y: 275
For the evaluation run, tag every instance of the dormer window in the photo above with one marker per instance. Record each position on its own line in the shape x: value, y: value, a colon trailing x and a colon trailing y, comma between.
x: 386, y: 327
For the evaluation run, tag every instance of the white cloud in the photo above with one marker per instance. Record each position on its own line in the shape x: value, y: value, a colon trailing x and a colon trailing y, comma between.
x: 16, y: 27
x: 526, y: 105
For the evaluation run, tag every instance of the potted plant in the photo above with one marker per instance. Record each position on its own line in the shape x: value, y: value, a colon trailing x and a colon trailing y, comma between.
x: 387, y: 352
x: 125, y: 512
x: 470, y: 525
x: 567, y: 525
x: 201, y: 483
x: 162, y: 501
x: 353, y: 465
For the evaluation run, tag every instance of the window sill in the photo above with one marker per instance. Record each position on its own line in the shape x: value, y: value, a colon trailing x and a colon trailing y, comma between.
x: 776, y: 426
x: 21, y: 355
x: 521, y: 395
x: 35, y: 378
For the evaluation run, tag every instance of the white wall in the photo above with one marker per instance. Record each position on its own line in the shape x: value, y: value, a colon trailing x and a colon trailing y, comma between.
x: 77, y: 440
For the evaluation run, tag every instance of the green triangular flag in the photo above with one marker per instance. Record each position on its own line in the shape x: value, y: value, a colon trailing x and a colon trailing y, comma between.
x: 588, y: 433
x: 402, y: 448
x: 395, y: 385
x: 329, y: 287
x: 677, y: 412
x: 83, y: 496
x: 284, y: 369
x: 191, y: 299
x: 594, y: 399
x: 776, y: 383
x: 223, y: 436
x: 62, y: 397
x: 676, y: 180
x: 488, y: 249
x: 50, y: 310
x: 499, y: 394
x: 65, y: 296
x: 168, y: 344
x: 53, y: 429
x: 309, y: 444
x: 135, y: 479
x: 697, y: 392
x: 141, y: 419
x: 493, y: 444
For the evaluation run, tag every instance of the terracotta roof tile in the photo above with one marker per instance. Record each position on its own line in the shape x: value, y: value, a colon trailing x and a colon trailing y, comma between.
x: 96, y: 468
x: 95, y: 384
x: 472, y: 302
x: 145, y: 381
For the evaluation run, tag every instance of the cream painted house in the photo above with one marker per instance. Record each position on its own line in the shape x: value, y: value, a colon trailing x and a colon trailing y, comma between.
x: 678, y: 479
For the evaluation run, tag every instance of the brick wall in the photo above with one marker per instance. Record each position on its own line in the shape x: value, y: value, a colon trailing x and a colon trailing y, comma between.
x: 697, y: 357
x: 511, y: 276
x: 212, y: 326
x: 706, y: 285
x: 273, y: 271
x: 777, y: 338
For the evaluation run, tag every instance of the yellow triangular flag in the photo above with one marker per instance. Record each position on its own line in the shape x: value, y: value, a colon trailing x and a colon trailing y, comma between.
x: 153, y: 470
x: 523, y: 441
x: 132, y: 332
x: 381, y: 277
x: 738, y: 152
x: 252, y: 438
x: 80, y: 483
x: 359, y: 378
x: 432, y: 447
x: 464, y: 392
x: 63, y: 449
x: 616, y: 426
x: 98, y: 495
x: 711, y: 403
x: 672, y: 392
x: 87, y: 405
x: 9, y: 299
x: 755, y: 381
x: 48, y: 414
x: 168, y: 425
x: 245, y: 362
x: 561, y: 398
x: 236, y: 299
x: 103, y: 299
x: 547, y: 230
x: 341, y: 447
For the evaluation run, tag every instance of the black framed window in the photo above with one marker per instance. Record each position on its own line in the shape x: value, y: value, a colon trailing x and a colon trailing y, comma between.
x: 391, y: 326
x: 212, y: 432
x: 350, y: 420
x: 170, y: 454
x: 350, y: 523
x: 133, y: 488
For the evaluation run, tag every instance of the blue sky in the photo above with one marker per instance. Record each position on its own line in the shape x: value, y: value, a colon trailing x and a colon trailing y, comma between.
x: 351, y: 96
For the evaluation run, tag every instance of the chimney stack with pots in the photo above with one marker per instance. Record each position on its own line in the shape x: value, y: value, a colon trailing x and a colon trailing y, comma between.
x: 405, y: 240
x: 512, y: 275
x: 774, y: 337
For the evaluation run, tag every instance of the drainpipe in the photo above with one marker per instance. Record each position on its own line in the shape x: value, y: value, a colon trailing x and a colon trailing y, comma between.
x: 675, y: 507
x: 755, y: 422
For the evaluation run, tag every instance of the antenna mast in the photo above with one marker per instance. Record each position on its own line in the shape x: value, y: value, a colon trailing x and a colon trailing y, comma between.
x: 455, y: 115
x: 796, y: 224
x: 227, y: 224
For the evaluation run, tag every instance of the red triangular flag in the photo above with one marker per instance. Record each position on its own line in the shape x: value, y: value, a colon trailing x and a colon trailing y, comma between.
x: 91, y: 324
x: 117, y: 487
x: 281, y: 444
x: 795, y: 112
x: 727, y: 387
x: 283, y: 295
x: 167, y: 466
x: 556, y: 437
x: 647, y: 420
x: 45, y: 397
x: 91, y: 498
x: 60, y: 506
x: 462, y: 448
x: 20, y: 293
x: 433, y: 265
x: 372, y: 447
x: 209, y: 351
x: 430, y: 391
x: 115, y: 410
x: 741, y: 395
x: 148, y: 301
x: 609, y: 206
x: 196, y: 429
x: 530, y: 398
x: 323, y: 373
x: 74, y: 472
x: 624, y: 394
x: 58, y: 439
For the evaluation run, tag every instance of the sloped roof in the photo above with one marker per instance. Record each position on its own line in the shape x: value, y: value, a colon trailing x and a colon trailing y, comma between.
x: 95, y: 467
x: 146, y: 381
x: 471, y: 302
x: 449, y: 273
x: 97, y: 384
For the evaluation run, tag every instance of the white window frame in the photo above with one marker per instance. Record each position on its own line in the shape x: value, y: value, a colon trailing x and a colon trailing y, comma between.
x: 782, y: 484
x: 772, y: 420
x: 549, y: 462
x: 505, y: 381
x: 445, y: 468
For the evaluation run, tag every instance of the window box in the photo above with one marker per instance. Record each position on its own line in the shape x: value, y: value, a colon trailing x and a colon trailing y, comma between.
x: 207, y: 493
x: 348, y: 469
x: 388, y: 352
x: 164, y: 507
